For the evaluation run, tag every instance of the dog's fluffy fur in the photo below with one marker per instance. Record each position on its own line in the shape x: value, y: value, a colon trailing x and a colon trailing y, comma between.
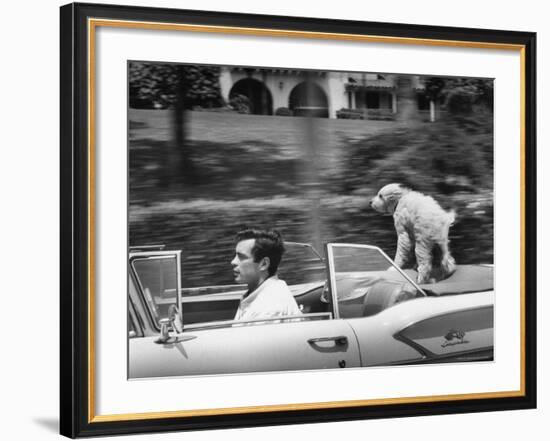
x: 422, y: 228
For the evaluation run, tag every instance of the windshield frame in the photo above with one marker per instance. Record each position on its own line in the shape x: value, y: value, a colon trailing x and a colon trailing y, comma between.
x: 156, y: 255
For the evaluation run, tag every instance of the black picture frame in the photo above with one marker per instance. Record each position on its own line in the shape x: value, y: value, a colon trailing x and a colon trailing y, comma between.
x: 77, y: 419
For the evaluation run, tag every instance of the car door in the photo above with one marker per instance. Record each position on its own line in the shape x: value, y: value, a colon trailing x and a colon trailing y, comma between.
x: 309, y: 344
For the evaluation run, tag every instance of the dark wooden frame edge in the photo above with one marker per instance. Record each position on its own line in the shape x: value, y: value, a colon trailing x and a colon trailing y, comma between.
x: 74, y: 220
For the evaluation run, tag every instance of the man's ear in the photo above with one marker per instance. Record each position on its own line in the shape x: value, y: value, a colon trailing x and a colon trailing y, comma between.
x: 264, y: 263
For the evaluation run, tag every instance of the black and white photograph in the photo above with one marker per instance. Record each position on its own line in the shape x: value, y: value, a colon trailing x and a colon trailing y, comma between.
x: 285, y: 219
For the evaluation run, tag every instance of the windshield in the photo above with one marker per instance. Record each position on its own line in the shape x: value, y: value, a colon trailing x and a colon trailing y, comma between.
x: 158, y: 276
x: 301, y: 264
x: 365, y: 281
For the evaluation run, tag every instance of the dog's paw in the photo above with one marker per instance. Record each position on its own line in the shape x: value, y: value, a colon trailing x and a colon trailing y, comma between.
x: 422, y: 279
x: 425, y: 280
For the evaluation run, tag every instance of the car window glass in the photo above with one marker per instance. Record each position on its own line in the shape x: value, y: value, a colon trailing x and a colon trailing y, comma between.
x: 300, y: 264
x: 356, y: 259
x: 158, y: 279
x: 363, y: 275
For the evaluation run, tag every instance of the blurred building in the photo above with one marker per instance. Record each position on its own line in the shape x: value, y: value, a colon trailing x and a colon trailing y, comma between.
x: 323, y: 93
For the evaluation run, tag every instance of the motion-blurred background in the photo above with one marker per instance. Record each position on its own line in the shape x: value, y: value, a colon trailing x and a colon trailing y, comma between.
x: 215, y: 149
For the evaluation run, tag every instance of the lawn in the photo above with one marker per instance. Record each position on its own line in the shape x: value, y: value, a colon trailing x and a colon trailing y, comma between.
x: 309, y: 178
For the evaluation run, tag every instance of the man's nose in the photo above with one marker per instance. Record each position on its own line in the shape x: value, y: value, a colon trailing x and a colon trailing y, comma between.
x: 371, y: 201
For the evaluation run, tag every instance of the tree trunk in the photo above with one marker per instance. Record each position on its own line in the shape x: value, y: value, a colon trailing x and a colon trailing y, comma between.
x: 179, y: 167
x: 313, y: 166
x: 407, y: 109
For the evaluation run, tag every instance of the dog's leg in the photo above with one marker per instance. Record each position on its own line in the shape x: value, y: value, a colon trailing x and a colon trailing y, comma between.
x: 448, y: 264
x: 423, y: 254
x: 404, y: 249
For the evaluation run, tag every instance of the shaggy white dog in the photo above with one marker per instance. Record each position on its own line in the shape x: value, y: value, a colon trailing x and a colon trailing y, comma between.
x: 422, y: 228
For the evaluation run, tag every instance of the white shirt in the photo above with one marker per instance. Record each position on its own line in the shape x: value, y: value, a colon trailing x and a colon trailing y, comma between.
x: 271, y: 299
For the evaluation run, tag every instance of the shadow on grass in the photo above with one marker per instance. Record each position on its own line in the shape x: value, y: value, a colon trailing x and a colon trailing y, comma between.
x: 246, y: 169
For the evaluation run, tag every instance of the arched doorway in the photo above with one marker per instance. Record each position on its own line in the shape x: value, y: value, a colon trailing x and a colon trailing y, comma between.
x: 308, y: 99
x: 259, y: 98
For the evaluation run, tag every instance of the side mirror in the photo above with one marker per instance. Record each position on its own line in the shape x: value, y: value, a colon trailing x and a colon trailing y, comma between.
x: 164, y: 334
x: 175, y: 318
x: 172, y: 321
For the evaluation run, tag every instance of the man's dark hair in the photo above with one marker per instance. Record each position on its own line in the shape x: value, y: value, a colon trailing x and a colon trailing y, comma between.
x: 268, y: 243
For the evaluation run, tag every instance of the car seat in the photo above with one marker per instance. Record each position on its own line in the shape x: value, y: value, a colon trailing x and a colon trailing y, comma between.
x: 386, y: 293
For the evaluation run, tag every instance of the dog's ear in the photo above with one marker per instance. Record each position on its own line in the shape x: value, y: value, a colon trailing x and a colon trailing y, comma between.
x: 391, y: 203
x: 392, y: 196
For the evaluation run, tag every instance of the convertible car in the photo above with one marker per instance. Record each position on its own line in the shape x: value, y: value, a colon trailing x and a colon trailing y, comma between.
x: 357, y: 310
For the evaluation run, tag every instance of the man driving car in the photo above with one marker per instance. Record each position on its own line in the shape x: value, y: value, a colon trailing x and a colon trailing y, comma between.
x: 257, y: 257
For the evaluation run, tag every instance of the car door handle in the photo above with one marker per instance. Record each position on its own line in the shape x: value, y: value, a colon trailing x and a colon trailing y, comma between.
x: 339, y: 340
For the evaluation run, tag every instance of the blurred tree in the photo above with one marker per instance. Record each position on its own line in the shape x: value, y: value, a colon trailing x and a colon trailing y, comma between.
x: 155, y: 85
x: 485, y: 90
x: 313, y: 162
x: 461, y: 95
x: 464, y: 94
x: 180, y: 87
x: 178, y: 159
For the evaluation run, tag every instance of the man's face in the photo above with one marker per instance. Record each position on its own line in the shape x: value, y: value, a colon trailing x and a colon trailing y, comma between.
x: 245, y: 269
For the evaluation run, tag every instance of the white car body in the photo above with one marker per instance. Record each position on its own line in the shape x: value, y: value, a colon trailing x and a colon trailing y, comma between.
x: 380, y: 318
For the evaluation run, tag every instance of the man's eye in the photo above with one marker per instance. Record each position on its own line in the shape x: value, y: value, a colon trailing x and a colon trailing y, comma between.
x: 381, y: 196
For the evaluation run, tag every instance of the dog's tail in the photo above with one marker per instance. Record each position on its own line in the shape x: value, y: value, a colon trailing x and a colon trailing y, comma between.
x: 451, y: 216
x: 449, y: 222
